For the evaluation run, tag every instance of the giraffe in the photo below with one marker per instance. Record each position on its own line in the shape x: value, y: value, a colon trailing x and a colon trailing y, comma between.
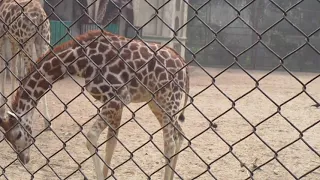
x: 20, y: 30
x: 102, y: 7
x: 117, y: 71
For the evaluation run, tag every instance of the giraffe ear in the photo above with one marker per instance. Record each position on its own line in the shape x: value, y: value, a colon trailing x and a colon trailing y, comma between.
x: 7, y: 122
x: 4, y: 123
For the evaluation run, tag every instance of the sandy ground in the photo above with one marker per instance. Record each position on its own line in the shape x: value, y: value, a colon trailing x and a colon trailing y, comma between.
x: 214, y: 155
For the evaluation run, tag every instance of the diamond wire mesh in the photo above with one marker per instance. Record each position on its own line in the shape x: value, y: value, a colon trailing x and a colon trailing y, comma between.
x: 208, y: 170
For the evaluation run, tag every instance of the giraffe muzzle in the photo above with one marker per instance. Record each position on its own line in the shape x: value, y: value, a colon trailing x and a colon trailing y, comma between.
x: 24, y: 158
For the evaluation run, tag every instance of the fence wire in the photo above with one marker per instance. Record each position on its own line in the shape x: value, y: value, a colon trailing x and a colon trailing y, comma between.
x: 122, y: 9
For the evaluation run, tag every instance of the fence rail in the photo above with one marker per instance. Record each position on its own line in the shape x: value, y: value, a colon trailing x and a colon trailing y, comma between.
x: 249, y: 114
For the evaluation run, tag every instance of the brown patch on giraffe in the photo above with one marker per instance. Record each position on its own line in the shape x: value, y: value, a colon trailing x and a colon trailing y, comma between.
x: 55, y: 73
x: 136, y: 55
x: 178, y: 63
x: 102, y: 48
x: 36, y: 75
x: 93, y: 44
x: 139, y: 63
x: 124, y: 76
x: 24, y: 26
x: 82, y: 63
x: 158, y: 70
x: 44, y: 84
x: 177, y: 96
x: 111, y: 55
x: 55, y: 62
x: 151, y: 64
x: 145, y: 53
x: 112, y: 79
x: 22, y: 105
x: 32, y: 83
x: 170, y: 63
x: 104, y: 88
x: 162, y: 77
x: 114, y: 69
x: 125, y: 54
x: 80, y: 52
x: 98, y: 79
x: 63, y: 55
x: 71, y: 69
x: 114, y: 105
x: 92, y: 51
x: 153, y: 47
x: 180, y: 75
x: 97, y: 97
x: 131, y: 64
x: 46, y: 66
x: 95, y: 91
x: 133, y: 46
x: 145, y: 81
x: 134, y: 83
x: 164, y: 54
x: 160, y: 59
x: 116, y: 45
x: 88, y: 72
x: 181, y: 84
x: 97, y: 59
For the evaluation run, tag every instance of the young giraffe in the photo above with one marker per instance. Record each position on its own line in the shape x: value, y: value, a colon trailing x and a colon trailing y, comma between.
x: 22, y: 28
x: 117, y: 72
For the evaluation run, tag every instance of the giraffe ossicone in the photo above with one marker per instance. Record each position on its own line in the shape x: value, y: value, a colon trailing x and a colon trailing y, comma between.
x: 116, y: 71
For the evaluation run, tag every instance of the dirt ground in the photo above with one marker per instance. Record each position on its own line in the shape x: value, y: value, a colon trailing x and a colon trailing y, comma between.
x: 212, y: 152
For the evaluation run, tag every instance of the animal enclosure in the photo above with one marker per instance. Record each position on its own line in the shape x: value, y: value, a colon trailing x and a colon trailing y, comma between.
x: 239, y: 123
x: 276, y: 132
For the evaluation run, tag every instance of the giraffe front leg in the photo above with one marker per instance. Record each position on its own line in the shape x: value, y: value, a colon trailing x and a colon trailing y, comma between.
x: 114, y: 118
x: 92, y: 142
x: 2, y: 83
x: 47, y: 118
x: 172, y: 140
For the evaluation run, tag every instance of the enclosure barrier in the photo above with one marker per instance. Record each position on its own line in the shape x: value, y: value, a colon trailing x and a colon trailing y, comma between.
x: 218, y: 160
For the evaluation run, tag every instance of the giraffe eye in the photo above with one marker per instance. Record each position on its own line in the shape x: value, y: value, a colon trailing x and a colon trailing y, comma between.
x: 19, y: 135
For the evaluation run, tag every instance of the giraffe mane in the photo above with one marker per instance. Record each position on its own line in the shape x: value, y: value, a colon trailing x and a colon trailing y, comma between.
x: 71, y: 43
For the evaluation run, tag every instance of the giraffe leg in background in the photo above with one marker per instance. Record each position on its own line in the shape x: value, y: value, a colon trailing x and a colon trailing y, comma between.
x: 38, y: 49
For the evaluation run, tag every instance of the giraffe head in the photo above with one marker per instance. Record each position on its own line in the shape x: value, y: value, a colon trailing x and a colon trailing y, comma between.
x: 18, y: 136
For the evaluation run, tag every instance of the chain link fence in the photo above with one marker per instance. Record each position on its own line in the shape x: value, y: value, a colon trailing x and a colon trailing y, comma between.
x: 249, y: 113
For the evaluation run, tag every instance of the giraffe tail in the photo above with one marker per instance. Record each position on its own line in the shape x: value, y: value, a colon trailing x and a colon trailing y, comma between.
x: 187, y: 87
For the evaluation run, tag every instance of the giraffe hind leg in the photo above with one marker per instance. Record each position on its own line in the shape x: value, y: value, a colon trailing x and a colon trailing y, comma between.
x: 2, y: 80
x: 178, y: 140
x: 111, y: 118
x: 171, y: 137
x: 38, y: 49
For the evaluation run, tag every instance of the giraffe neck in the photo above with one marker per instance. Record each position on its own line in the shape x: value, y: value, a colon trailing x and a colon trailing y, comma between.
x: 102, y: 11
x: 69, y: 58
